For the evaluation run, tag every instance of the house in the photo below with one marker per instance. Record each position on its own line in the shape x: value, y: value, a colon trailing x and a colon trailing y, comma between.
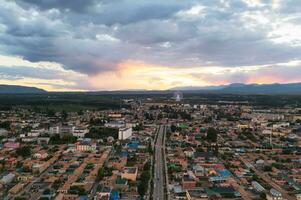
x: 196, y: 194
x: 12, y: 145
x: 86, y: 146
x: 189, y: 151
x: 130, y: 173
x: 41, y: 155
x: 188, y: 182
x: 222, y: 191
x: 121, y: 184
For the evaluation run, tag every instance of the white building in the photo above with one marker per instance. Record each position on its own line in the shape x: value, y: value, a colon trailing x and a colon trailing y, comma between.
x: 54, y: 130
x: 80, y: 132
x: 257, y: 186
x: 61, y: 129
x: 35, y: 132
x: 7, y: 178
x: 67, y: 129
x: 3, y: 132
x: 124, y: 133
x: 115, y: 124
x: 274, y: 195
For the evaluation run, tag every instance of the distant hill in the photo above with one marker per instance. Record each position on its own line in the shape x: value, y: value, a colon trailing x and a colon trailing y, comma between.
x: 17, y: 89
x: 218, y: 87
x: 234, y: 88
x: 241, y: 88
x: 275, y: 88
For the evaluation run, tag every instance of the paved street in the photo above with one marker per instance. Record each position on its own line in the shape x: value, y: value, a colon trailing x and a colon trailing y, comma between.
x: 268, y: 180
x: 159, y: 178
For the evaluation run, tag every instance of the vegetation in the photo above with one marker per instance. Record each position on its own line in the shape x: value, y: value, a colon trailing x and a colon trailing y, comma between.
x: 212, y: 135
x: 77, y: 190
x: 5, y: 125
x: 139, y: 127
x: 102, y: 132
x: 100, y: 173
x: 24, y: 151
x: 66, y: 139
x: 144, y: 179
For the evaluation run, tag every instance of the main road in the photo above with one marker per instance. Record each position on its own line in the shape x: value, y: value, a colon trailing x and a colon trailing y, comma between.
x: 159, y: 175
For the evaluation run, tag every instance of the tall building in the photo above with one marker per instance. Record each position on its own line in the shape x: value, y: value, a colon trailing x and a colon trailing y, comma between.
x: 124, y: 133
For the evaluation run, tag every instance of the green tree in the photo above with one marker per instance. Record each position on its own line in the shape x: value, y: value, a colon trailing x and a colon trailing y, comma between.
x: 78, y: 190
x: 144, y: 179
x: 100, y: 173
x: 5, y: 125
x: 64, y: 115
x: 24, y: 151
x: 212, y: 135
x: 173, y: 128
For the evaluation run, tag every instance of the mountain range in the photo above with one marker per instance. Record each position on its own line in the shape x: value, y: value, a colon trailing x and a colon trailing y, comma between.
x: 241, y: 88
x: 234, y: 88
x: 17, y: 89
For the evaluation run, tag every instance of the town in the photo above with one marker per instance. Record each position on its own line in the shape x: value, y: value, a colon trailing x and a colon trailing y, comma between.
x: 152, y: 148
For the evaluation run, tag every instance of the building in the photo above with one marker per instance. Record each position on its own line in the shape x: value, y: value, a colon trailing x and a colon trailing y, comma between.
x: 124, y: 133
x: 66, y: 129
x: 188, y: 182
x: 257, y: 186
x: 80, y: 132
x: 12, y: 145
x: 61, y: 129
x: 7, y: 178
x: 196, y: 194
x: 274, y: 195
x: 54, y: 130
x: 130, y: 173
x: 85, y: 146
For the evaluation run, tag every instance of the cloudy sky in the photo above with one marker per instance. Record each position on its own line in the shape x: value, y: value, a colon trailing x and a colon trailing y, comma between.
x: 148, y: 44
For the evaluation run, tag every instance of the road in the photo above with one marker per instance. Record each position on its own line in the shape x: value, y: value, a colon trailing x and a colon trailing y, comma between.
x: 268, y: 180
x: 159, y: 178
x: 27, y: 188
x: 244, y: 194
x: 104, y: 158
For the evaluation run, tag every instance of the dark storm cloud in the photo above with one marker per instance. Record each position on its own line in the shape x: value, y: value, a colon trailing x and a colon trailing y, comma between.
x: 96, y: 36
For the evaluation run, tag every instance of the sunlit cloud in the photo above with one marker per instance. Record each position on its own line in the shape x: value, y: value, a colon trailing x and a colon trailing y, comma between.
x: 127, y: 44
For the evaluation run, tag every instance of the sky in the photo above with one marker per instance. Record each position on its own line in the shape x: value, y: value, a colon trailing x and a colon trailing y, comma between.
x: 76, y: 45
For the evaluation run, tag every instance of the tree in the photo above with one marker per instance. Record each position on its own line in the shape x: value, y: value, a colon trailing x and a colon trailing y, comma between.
x: 144, y: 179
x: 173, y: 128
x: 24, y: 151
x: 142, y: 189
x: 267, y: 168
x: 56, y: 184
x: 80, y: 190
x: 138, y: 127
x: 50, y: 112
x: 212, y: 135
x: 150, y: 148
x: 20, y: 198
x: 100, y: 173
x: 5, y: 125
x: 19, y: 164
x: 64, y: 115
x: 102, y: 133
x: 160, y: 116
x: 66, y: 139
